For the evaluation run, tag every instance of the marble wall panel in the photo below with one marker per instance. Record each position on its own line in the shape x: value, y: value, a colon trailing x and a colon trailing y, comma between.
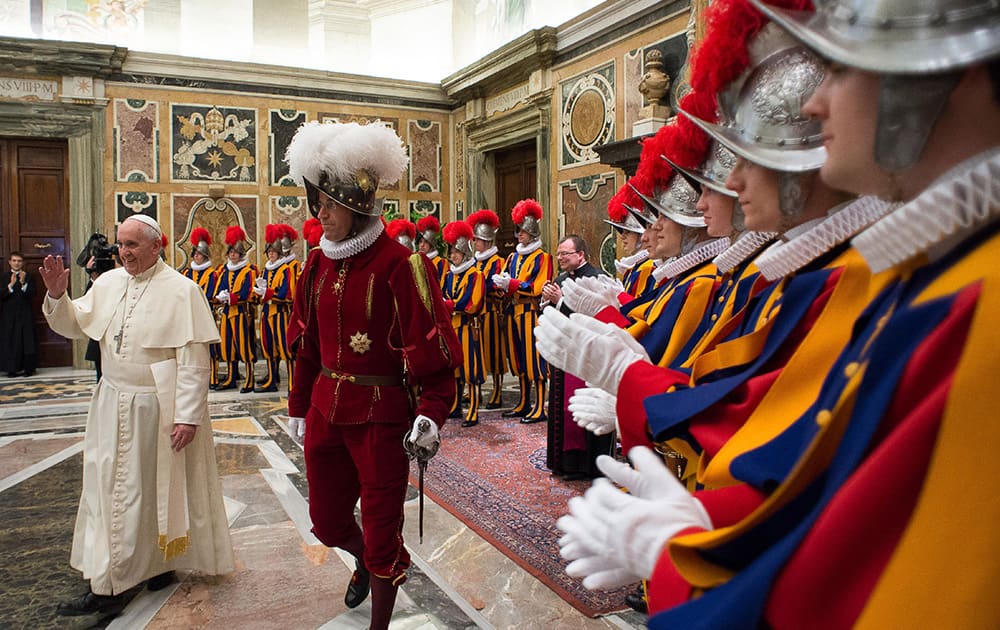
x: 632, y: 65
x: 284, y: 124
x: 294, y: 212
x: 586, y: 115
x: 136, y: 130
x: 344, y: 117
x: 424, y: 138
x: 135, y: 202
x: 422, y: 208
x: 209, y: 143
x: 215, y: 215
x: 584, y: 204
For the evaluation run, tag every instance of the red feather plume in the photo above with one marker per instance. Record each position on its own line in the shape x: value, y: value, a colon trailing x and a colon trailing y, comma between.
x: 272, y: 232
x: 398, y: 227
x: 200, y: 234
x: 289, y: 232
x: 616, y: 211
x: 235, y: 233
x: 163, y: 240
x: 484, y: 216
x: 312, y: 230
x: 430, y: 222
x: 524, y: 208
x: 456, y: 230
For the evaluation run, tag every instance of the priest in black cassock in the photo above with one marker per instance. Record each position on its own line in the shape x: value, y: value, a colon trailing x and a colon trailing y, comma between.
x: 571, y: 449
x: 18, y: 352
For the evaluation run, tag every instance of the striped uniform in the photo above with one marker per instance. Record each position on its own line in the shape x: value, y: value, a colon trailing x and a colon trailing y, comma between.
x: 533, y: 270
x: 236, y: 325
x: 207, y: 279
x: 277, y: 307
x: 639, y: 279
x: 492, y: 324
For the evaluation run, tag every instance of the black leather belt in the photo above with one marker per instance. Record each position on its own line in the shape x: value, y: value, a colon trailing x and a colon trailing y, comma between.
x: 363, y: 379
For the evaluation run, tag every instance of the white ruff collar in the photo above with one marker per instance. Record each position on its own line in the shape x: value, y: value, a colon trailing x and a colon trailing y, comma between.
x: 231, y: 266
x: 271, y: 266
x: 962, y: 201
x: 524, y: 250
x: 845, y: 221
x: 485, y: 255
x: 658, y: 268
x: 625, y: 263
x: 431, y: 255
x: 352, y: 245
x: 706, y: 251
x: 460, y: 268
x: 201, y: 266
x: 743, y: 248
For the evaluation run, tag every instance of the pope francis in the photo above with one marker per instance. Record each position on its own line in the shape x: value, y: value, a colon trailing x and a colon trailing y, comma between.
x: 151, y: 499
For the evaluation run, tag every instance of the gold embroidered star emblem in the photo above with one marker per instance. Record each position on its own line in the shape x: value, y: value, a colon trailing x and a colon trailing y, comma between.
x: 360, y: 342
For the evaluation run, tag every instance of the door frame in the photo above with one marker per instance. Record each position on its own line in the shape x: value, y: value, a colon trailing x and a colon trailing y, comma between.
x: 83, y: 127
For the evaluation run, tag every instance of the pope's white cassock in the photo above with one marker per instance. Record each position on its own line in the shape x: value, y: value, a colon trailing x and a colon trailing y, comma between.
x: 144, y: 509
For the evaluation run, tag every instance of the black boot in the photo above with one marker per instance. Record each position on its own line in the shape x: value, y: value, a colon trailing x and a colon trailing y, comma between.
x: 359, y: 586
x: 90, y: 603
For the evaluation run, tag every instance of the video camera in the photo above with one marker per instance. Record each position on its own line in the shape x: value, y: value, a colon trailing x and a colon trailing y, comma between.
x: 105, y: 254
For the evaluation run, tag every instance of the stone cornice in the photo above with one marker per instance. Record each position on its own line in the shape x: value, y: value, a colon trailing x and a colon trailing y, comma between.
x: 58, y: 58
x: 610, y: 17
x: 504, y: 67
x: 146, y: 67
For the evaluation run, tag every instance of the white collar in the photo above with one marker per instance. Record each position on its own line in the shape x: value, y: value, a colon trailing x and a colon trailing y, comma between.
x: 465, y: 265
x: 960, y: 202
x: 705, y: 251
x: 270, y: 266
x: 352, y: 245
x: 231, y: 266
x: 745, y: 246
x: 201, y: 266
x: 485, y: 255
x: 820, y: 237
x: 634, y: 259
x: 431, y: 255
x: 524, y: 250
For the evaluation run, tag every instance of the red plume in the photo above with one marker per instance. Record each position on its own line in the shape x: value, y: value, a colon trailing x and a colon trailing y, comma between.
x: 616, y: 211
x: 200, y: 234
x: 234, y: 234
x: 526, y: 207
x: 484, y: 216
x: 163, y: 240
x: 398, y: 227
x: 430, y: 222
x: 312, y: 229
x: 456, y: 230
x: 272, y: 232
x: 289, y: 232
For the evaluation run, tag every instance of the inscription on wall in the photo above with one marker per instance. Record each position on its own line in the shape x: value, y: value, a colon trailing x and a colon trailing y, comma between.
x: 28, y: 89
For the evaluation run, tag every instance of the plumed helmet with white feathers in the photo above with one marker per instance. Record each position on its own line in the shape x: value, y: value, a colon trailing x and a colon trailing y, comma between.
x: 346, y: 161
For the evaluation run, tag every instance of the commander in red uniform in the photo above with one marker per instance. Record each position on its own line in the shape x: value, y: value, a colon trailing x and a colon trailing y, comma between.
x: 376, y: 354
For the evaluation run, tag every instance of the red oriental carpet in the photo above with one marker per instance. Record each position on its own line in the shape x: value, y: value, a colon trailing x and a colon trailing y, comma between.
x: 493, y: 478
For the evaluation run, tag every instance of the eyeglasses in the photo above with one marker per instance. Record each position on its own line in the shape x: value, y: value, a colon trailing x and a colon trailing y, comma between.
x: 558, y: 253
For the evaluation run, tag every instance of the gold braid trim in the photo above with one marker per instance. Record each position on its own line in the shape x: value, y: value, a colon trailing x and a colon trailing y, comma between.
x: 174, y: 548
x: 371, y: 291
x: 421, y: 280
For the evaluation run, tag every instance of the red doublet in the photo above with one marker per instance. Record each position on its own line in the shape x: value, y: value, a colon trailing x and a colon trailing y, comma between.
x: 376, y: 314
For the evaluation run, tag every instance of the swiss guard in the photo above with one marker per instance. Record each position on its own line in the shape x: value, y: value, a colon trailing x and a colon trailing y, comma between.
x: 236, y: 324
x: 202, y: 273
x: 527, y: 270
x: 492, y: 327
x: 404, y: 232
x: 464, y: 291
x: 428, y: 229
x: 275, y: 288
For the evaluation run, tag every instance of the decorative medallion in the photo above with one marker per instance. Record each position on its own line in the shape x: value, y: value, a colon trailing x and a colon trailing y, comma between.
x: 587, y: 115
x: 360, y: 342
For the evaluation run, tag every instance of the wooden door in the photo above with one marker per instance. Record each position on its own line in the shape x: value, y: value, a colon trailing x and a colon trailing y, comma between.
x: 34, y: 220
x: 517, y: 179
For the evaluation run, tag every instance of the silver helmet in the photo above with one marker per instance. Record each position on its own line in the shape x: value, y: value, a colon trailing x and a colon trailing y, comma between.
x: 629, y: 224
x: 677, y: 203
x: 484, y: 232
x: 919, y: 44
x: 459, y: 236
x: 765, y: 106
x: 642, y: 215
x: 713, y: 172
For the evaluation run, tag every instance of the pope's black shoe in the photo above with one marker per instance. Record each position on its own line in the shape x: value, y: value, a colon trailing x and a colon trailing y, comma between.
x: 357, y: 590
x: 530, y: 420
x: 90, y: 603
x: 161, y: 581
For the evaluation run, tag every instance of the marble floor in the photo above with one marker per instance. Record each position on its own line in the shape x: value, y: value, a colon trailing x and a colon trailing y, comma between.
x: 284, y: 577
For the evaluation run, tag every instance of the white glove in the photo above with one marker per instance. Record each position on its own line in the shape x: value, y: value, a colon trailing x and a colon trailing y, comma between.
x: 422, y: 440
x: 297, y: 427
x: 594, y: 409
x: 596, y: 352
x: 613, y: 537
x: 261, y: 283
x: 222, y: 296
x: 260, y: 291
x: 581, y: 298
